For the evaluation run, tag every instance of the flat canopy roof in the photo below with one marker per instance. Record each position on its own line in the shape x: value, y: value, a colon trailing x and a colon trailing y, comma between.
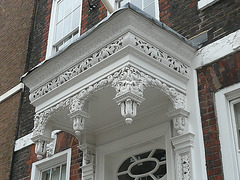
x: 124, y: 8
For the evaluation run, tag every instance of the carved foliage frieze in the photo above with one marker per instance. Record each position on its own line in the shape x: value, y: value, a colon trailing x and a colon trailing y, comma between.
x: 126, y: 78
x: 77, y: 69
x: 162, y: 57
x: 153, y: 52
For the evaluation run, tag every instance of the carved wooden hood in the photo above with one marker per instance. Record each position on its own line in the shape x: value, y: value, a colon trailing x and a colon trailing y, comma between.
x: 129, y: 52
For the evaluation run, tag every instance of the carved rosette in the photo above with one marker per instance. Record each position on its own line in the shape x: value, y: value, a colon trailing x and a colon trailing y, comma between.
x: 41, y: 145
x: 179, y: 117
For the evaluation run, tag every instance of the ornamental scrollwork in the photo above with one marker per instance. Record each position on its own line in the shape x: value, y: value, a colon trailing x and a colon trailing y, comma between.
x: 162, y: 57
x: 127, y: 79
x: 78, y: 69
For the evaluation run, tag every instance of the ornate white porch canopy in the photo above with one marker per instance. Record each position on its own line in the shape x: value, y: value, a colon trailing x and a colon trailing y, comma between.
x: 129, y: 53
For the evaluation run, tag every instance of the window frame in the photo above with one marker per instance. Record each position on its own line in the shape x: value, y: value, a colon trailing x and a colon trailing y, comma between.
x: 51, y: 43
x: 149, y: 158
x: 117, y: 2
x: 225, y: 99
x: 203, y: 4
x: 51, y: 162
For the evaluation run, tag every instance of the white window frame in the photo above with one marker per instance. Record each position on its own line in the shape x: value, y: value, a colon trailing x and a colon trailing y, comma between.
x: 225, y: 99
x: 203, y: 4
x: 52, y: 29
x: 156, y: 7
x: 49, y: 162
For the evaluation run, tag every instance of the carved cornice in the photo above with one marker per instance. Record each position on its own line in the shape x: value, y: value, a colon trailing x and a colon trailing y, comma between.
x: 139, y: 81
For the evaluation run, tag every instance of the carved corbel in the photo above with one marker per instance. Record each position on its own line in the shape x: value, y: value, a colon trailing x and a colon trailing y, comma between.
x: 128, y: 103
x: 77, y: 115
x: 129, y: 88
x: 41, y: 145
x: 179, y: 117
x: 78, y: 118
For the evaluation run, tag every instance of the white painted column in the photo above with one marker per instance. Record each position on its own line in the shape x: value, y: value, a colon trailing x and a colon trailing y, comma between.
x: 88, y: 164
x: 182, y: 143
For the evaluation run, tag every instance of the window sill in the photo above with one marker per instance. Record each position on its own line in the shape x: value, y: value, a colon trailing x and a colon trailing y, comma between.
x: 203, y: 4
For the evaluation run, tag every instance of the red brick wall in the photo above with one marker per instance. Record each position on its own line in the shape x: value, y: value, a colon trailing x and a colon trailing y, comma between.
x: 15, y: 27
x: 92, y: 17
x: 211, y: 78
x: 25, y: 157
x: 220, y: 19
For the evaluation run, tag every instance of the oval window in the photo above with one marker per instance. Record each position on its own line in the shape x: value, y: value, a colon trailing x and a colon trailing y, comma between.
x: 143, y: 167
x: 148, y: 165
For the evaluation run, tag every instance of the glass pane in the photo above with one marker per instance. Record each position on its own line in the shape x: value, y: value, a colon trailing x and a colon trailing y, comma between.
x: 143, y: 167
x: 137, y: 3
x: 63, y: 175
x: 75, y: 35
x: 122, y: 3
x: 46, y: 175
x: 60, y: 13
x: 145, y: 178
x: 68, y: 6
x: 147, y: 2
x: 59, y: 47
x: 125, y: 177
x: 143, y: 155
x: 162, y: 170
x: 237, y: 117
x: 59, y: 29
x: 67, y: 41
x: 126, y: 164
x: 160, y: 154
x: 67, y: 25
x: 55, y: 173
x: 76, y: 18
x: 150, y: 10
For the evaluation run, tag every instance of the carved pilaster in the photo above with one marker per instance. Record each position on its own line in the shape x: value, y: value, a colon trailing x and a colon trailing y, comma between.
x: 41, y: 145
x: 88, y: 164
x: 179, y: 118
x: 183, y: 155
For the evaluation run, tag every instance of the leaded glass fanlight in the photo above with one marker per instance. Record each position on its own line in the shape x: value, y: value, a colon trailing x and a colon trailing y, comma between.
x: 150, y: 165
